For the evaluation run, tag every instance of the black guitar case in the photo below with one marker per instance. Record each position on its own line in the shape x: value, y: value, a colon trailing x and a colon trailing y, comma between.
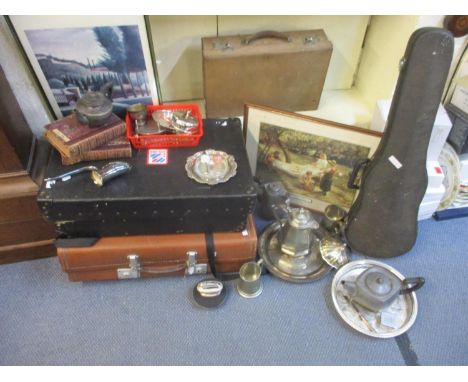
x: 383, y: 220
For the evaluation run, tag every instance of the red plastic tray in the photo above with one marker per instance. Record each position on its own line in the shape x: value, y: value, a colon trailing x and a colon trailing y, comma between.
x: 166, y: 140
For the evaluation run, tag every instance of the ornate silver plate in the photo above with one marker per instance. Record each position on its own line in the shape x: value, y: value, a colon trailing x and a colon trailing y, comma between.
x: 390, y: 322
x: 296, y: 269
x: 211, y: 167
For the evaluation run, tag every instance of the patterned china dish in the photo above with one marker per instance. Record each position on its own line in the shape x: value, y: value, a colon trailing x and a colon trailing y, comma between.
x: 450, y: 165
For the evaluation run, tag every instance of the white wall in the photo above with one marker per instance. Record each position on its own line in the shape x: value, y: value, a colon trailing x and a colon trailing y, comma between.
x: 177, y: 45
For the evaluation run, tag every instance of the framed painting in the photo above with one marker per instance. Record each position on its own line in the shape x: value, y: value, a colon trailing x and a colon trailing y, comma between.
x: 72, y: 55
x: 312, y: 157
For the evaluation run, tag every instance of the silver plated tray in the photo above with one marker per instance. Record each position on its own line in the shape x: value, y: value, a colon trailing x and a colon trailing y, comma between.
x: 390, y: 322
x: 300, y: 269
x: 211, y: 167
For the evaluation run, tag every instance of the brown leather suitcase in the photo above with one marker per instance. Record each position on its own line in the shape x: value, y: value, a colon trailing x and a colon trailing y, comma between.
x: 283, y: 70
x: 127, y: 257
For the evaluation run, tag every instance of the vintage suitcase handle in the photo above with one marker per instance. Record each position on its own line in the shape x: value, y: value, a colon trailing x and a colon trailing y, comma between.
x: 163, y: 270
x: 267, y: 34
x: 352, y: 177
x: 134, y: 269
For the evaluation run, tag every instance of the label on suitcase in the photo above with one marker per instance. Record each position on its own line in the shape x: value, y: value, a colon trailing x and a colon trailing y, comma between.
x: 116, y: 258
x: 282, y: 70
x: 154, y: 199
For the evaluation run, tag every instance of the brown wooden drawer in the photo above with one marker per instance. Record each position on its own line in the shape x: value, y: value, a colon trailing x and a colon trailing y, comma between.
x: 28, y: 251
x: 19, y: 209
x: 24, y: 232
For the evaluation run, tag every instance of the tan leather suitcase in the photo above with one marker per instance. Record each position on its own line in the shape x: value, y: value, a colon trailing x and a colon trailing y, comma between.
x: 127, y: 257
x: 282, y: 70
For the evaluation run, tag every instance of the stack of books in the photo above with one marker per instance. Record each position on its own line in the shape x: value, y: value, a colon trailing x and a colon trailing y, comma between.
x: 77, y: 142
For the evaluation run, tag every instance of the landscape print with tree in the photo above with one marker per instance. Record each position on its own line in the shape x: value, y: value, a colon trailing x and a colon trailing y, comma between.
x: 78, y: 60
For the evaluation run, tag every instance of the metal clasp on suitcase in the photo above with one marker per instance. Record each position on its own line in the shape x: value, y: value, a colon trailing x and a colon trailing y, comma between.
x: 222, y: 45
x: 135, y: 269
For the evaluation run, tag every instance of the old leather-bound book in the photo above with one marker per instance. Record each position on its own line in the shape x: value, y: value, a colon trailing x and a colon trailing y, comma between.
x: 72, y: 139
x: 119, y: 147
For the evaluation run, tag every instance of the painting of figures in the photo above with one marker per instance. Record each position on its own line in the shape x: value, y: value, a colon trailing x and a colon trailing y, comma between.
x: 311, y: 167
x: 312, y: 157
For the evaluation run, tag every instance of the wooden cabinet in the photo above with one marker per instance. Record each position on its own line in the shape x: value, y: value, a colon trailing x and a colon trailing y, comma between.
x: 24, y: 234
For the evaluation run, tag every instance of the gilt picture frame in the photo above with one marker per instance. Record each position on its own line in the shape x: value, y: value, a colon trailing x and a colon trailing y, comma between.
x: 72, y: 55
x: 312, y: 157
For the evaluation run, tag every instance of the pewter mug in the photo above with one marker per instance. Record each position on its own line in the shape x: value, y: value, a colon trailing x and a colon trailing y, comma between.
x: 249, y: 284
x: 297, y: 232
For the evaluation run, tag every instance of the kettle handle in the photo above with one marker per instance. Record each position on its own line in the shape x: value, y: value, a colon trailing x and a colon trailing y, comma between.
x: 106, y: 89
x: 412, y: 284
x: 82, y: 118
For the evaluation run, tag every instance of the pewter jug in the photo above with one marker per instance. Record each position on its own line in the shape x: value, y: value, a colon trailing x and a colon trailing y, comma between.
x: 297, y: 232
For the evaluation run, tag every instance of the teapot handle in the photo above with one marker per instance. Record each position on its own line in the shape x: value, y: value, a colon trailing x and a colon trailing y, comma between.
x: 412, y: 284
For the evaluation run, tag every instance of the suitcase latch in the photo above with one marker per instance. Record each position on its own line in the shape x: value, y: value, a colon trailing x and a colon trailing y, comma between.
x: 133, y: 270
x: 222, y: 45
x: 312, y: 40
x: 193, y: 268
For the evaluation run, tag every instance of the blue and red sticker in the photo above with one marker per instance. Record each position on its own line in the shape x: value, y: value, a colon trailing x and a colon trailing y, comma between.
x: 157, y: 157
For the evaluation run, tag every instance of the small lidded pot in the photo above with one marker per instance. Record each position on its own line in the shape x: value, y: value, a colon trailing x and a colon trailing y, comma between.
x: 95, y: 108
x: 376, y: 288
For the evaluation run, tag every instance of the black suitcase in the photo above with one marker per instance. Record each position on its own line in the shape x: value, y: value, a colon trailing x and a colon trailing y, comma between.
x: 154, y: 199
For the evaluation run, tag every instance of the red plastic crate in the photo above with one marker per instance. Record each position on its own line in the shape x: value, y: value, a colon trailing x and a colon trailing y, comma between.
x: 166, y: 140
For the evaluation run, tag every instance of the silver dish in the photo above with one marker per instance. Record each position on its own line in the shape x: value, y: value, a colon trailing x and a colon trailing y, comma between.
x: 150, y: 128
x: 389, y: 322
x: 334, y: 252
x: 179, y: 122
x: 296, y: 269
x: 211, y: 167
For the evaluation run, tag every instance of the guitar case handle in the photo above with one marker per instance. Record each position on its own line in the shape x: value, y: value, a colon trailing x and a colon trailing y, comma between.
x: 352, y: 177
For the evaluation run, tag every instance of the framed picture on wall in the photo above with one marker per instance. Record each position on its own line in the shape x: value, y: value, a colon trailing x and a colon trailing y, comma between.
x: 72, y: 55
x: 312, y: 157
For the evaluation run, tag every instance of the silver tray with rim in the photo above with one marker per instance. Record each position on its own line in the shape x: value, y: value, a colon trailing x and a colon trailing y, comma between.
x: 402, y: 312
x: 211, y: 167
x: 300, y: 269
